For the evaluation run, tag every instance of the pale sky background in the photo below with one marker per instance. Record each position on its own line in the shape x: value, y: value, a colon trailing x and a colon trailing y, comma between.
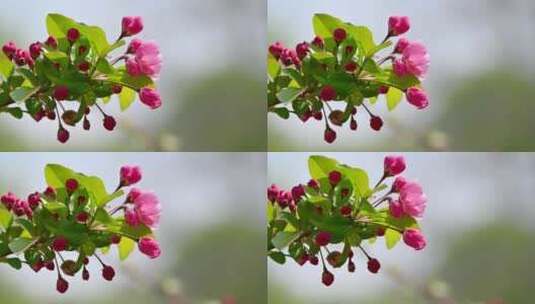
x: 464, y: 190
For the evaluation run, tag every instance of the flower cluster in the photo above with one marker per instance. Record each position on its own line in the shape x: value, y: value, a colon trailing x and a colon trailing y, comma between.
x: 74, y: 64
x: 337, y: 210
x: 342, y: 63
x: 72, y: 215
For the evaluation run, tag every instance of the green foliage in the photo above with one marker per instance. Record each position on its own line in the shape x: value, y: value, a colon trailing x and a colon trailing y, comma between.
x: 30, y: 88
x: 297, y: 78
x: 27, y: 238
x: 348, y: 210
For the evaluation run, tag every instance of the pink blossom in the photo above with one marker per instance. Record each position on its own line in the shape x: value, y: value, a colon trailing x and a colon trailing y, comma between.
x: 398, y: 66
x: 401, y: 45
x: 417, y: 97
x: 395, y: 208
x: 318, y: 42
x: 414, y: 238
x: 276, y: 49
x: 297, y: 192
x: 9, y: 199
x: 132, y: 25
x: 150, y: 97
x: 134, y: 45
x: 9, y: 49
x: 133, y: 194
x: 284, y: 199
x: 130, y: 175
x: 273, y: 192
x: 412, y: 199
x: 147, y: 59
x: 289, y: 57
x: 302, y: 50
x: 398, y: 25
x: 149, y: 247
x: 130, y: 217
x: 399, y: 182
x: 394, y: 165
x: 146, y: 210
x: 414, y: 60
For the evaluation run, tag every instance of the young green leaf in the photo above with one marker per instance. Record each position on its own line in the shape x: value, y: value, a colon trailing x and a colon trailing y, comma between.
x: 125, y: 247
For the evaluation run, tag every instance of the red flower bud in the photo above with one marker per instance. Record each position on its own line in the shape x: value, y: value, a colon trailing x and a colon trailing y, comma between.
x: 63, y: 135
x: 61, y: 92
x: 71, y: 184
x: 329, y: 136
x: 62, y: 285
x: 51, y: 42
x: 339, y: 35
x: 109, y: 123
x: 322, y: 238
x: 376, y: 123
x: 108, y: 273
x: 373, y: 265
x: 335, y: 177
x: 327, y: 278
x: 73, y: 35
x: 60, y: 243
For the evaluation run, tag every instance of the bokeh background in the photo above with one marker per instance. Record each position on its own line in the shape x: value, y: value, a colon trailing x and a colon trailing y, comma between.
x: 213, y: 245
x: 212, y: 80
x: 480, y: 81
x: 478, y: 223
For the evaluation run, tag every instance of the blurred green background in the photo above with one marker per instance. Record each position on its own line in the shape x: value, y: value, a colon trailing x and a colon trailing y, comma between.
x: 480, y: 81
x: 212, y: 80
x: 478, y: 223
x: 212, y: 243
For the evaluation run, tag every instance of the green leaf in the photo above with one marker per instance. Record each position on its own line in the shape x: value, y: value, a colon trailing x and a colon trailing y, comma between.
x: 113, y: 47
x: 57, y: 207
x: 389, y: 78
x: 392, y: 237
x: 321, y: 166
x: 324, y: 57
x: 58, y: 26
x: 56, y: 176
x: 15, y: 112
x: 20, y: 94
x: 324, y: 25
x: 121, y: 77
x: 273, y: 67
x: 6, y: 66
x: 125, y: 247
x: 14, y: 262
x: 111, y: 197
x: 5, y: 218
x: 281, y: 112
x: 359, y: 179
x: 289, y: 94
x: 277, y: 257
x: 20, y: 244
x: 102, y: 216
x: 283, y: 238
x: 393, y: 97
x: 104, y: 66
x: 56, y: 56
x: 364, y: 38
x: 30, y: 76
x: 126, y: 98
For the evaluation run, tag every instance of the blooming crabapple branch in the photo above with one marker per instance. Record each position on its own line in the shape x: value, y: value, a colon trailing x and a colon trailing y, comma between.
x: 70, y: 215
x: 72, y: 65
x: 340, y: 65
x: 335, y: 207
